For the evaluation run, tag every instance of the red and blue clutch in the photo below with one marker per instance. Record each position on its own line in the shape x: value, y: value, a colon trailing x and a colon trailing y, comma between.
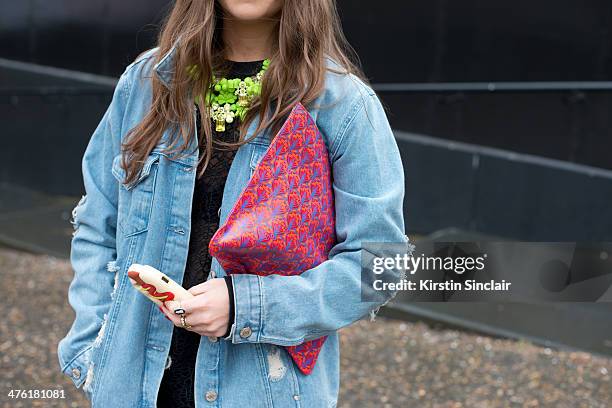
x: 283, y: 222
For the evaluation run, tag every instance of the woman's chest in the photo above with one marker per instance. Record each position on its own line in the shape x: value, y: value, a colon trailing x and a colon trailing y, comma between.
x: 154, y: 214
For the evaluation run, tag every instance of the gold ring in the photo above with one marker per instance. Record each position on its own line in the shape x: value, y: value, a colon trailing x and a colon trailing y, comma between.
x: 184, y: 323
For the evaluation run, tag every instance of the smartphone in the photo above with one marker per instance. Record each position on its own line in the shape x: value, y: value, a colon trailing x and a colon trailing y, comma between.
x: 155, y: 285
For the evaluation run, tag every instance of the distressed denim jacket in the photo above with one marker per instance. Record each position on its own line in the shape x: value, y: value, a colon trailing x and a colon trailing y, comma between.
x: 118, y: 344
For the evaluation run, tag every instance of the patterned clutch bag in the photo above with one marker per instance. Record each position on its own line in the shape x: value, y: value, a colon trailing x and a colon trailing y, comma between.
x: 283, y: 222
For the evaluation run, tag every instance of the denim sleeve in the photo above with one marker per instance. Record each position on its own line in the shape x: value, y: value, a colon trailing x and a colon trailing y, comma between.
x: 93, y: 249
x: 368, y: 186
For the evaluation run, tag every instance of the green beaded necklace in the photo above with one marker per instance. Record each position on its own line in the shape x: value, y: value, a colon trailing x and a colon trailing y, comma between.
x: 229, y: 98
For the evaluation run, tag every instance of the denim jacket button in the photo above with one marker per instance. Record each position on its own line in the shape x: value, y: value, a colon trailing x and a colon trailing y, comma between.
x: 212, y: 339
x: 211, y: 395
x: 245, y: 332
x: 76, y: 373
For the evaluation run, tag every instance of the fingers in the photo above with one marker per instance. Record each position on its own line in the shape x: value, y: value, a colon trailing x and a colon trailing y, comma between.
x: 201, y: 323
x: 190, y: 308
x: 176, y: 319
x: 188, y: 305
x: 199, y: 288
x: 168, y: 314
x: 207, y: 312
x: 162, y: 310
x: 173, y: 306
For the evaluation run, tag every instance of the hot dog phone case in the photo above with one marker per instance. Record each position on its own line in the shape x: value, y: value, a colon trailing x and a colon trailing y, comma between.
x: 155, y: 285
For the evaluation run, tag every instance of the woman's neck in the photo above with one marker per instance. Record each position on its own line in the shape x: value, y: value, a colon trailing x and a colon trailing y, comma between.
x: 248, y: 40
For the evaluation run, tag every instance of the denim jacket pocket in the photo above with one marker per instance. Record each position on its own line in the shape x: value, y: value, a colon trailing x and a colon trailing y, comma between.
x: 259, y: 150
x: 136, y: 198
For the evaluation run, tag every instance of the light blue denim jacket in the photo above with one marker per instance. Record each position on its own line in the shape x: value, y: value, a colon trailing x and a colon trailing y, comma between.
x: 118, y: 344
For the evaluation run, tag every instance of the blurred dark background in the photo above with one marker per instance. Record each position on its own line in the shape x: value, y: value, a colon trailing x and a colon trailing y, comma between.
x: 500, y: 110
x: 398, y: 41
x: 96, y: 36
x: 401, y: 44
x: 487, y: 92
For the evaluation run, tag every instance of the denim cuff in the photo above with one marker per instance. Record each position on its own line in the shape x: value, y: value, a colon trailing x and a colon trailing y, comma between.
x: 248, y: 308
x: 76, y: 368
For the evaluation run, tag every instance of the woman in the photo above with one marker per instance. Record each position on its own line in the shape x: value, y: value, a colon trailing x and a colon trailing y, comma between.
x: 162, y: 171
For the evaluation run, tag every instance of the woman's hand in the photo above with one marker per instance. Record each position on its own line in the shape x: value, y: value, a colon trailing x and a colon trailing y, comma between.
x: 207, y: 312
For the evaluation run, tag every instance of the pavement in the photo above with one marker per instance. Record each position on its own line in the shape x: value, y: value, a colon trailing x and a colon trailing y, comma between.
x: 385, y: 363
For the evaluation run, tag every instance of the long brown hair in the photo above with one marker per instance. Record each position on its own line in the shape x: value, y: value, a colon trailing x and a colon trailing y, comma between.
x: 308, y: 32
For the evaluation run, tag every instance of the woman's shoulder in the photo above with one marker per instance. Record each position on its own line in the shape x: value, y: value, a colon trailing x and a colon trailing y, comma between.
x: 143, y: 62
x: 136, y: 74
x: 344, y: 97
x: 340, y: 82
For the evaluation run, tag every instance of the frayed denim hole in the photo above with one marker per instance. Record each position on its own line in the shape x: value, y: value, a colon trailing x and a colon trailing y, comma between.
x: 276, y: 367
x: 89, y: 379
x: 115, y: 286
x: 410, y: 247
x: 111, y: 266
x: 74, y: 219
x: 101, y: 332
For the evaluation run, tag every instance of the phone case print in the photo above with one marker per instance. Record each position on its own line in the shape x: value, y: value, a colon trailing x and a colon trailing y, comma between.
x: 149, y: 290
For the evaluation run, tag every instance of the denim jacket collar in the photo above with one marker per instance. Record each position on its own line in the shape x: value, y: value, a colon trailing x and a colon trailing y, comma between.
x: 164, y: 69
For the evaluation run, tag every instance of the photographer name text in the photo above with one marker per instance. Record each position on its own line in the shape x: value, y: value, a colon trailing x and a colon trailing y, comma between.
x: 430, y: 285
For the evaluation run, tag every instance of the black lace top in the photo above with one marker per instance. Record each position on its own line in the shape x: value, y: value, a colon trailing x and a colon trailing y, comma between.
x: 177, y: 386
